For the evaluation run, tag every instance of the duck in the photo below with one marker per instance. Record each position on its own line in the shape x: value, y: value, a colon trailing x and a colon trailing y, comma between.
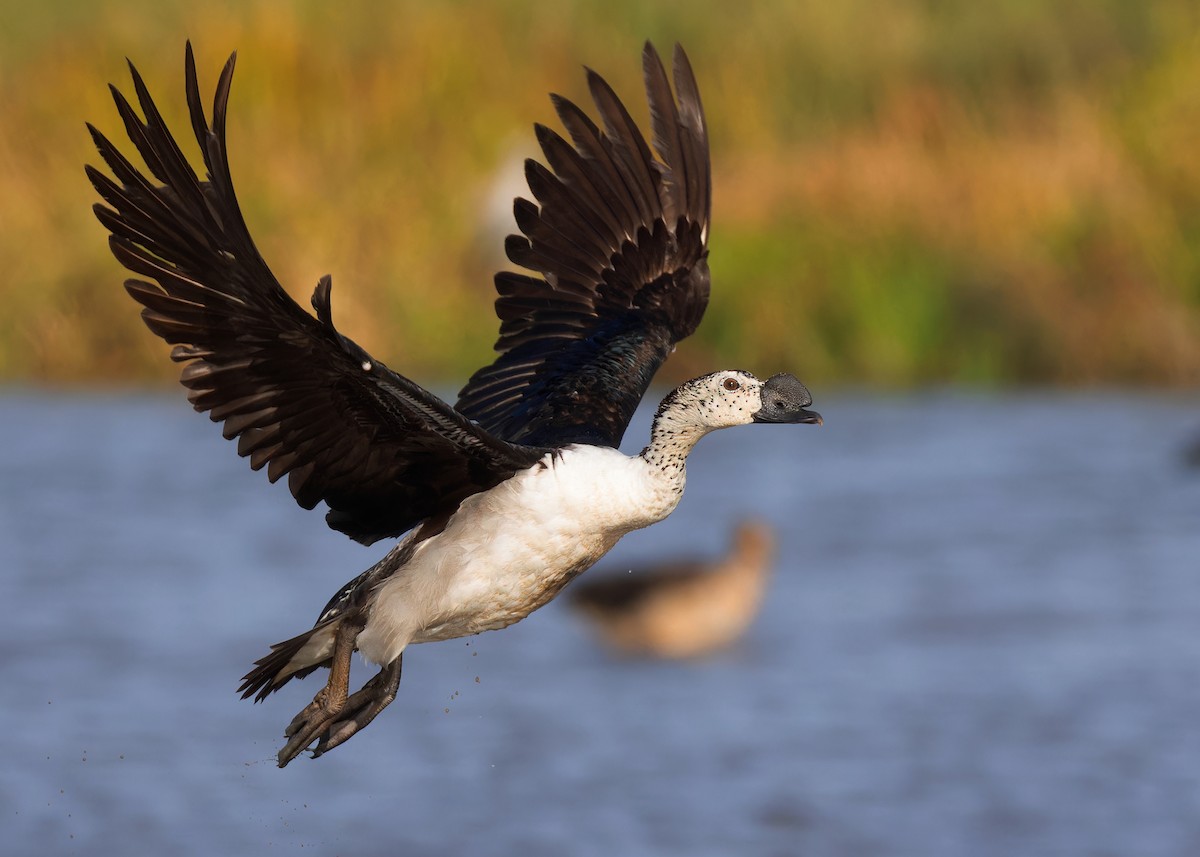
x: 494, y: 503
x: 683, y: 609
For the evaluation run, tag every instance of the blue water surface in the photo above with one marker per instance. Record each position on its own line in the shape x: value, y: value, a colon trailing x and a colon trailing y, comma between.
x: 982, y: 637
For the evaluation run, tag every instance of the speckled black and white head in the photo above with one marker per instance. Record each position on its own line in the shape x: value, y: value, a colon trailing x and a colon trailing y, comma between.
x: 734, y: 397
x: 731, y: 397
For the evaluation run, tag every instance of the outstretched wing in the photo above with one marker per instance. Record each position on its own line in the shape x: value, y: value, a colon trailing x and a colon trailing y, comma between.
x: 619, y: 238
x: 302, y: 399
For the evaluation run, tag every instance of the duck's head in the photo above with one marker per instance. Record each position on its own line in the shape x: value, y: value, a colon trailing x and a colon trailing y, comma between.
x: 733, y: 397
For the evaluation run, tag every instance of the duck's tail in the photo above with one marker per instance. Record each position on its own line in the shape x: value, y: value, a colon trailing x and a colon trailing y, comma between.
x: 294, y: 658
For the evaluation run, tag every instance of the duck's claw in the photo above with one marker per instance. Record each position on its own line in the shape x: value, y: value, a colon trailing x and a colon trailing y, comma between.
x: 362, y: 707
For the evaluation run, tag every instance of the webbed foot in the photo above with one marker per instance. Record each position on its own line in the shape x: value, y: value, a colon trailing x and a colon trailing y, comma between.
x: 362, y: 707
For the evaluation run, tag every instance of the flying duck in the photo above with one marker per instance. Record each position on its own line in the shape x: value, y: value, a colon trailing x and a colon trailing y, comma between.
x: 501, y: 499
x: 683, y: 609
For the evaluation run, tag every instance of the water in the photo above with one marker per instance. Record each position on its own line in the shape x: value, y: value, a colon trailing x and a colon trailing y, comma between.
x: 983, y: 637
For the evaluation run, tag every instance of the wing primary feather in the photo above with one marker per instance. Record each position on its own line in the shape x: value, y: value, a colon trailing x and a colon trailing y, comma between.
x: 586, y: 137
x: 664, y: 120
x: 628, y: 145
x: 695, y: 139
x: 577, y: 174
x: 177, y: 172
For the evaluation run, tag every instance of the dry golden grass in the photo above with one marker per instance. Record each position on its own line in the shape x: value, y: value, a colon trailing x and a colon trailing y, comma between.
x: 1046, y: 213
x: 1009, y: 194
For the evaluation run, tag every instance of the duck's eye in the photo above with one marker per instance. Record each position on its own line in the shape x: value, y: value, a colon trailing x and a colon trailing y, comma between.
x: 730, y: 384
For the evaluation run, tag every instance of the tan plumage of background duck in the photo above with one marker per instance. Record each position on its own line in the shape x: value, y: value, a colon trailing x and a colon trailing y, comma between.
x: 683, y: 609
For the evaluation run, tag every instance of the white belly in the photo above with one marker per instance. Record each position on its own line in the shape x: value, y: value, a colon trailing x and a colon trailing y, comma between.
x: 510, y: 550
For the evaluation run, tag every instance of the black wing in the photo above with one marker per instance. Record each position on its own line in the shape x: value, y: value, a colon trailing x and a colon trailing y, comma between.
x: 301, y: 398
x: 620, y: 240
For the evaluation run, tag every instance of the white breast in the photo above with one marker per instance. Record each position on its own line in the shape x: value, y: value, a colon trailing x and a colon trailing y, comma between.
x: 509, y: 550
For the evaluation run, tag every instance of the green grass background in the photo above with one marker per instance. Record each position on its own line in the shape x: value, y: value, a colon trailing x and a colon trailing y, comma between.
x: 905, y: 192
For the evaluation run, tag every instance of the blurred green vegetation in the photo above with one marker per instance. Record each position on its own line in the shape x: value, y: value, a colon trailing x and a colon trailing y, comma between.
x: 906, y: 192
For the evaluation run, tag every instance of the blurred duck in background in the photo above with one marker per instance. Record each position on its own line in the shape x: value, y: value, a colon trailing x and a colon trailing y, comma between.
x: 1191, y: 452
x: 683, y: 609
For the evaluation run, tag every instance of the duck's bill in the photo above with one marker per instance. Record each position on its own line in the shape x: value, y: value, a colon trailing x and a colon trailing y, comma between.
x: 800, y: 415
x: 785, y: 400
